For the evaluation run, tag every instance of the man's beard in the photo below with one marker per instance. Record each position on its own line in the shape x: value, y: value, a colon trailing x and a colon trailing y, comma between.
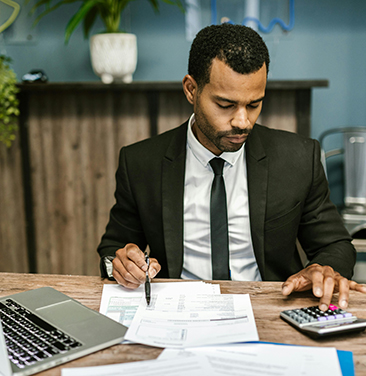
x: 218, y: 138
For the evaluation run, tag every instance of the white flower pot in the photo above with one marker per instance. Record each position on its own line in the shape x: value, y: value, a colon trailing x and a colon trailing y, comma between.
x: 114, y: 56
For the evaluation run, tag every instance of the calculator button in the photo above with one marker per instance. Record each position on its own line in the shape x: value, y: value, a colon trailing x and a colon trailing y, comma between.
x: 332, y: 307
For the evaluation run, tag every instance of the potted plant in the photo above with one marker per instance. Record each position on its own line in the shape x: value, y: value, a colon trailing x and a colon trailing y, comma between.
x: 9, y: 104
x: 113, y: 52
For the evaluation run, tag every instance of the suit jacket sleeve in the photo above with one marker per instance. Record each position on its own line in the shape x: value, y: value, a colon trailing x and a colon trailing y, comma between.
x: 124, y: 224
x: 321, y: 230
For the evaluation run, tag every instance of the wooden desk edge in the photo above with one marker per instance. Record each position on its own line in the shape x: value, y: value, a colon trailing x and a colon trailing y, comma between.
x: 266, y: 298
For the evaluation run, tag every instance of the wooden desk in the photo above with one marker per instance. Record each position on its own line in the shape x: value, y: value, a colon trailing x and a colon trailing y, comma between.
x: 266, y: 299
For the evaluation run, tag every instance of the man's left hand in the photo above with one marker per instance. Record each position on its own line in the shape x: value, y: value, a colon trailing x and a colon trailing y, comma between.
x: 324, y: 281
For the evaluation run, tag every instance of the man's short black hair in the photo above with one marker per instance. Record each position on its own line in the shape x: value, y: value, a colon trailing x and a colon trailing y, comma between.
x: 240, y: 47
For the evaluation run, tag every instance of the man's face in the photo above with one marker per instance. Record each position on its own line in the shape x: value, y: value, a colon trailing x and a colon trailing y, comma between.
x: 227, y: 108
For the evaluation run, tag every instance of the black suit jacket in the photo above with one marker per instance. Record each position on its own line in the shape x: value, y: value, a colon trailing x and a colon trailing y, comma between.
x: 288, y: 199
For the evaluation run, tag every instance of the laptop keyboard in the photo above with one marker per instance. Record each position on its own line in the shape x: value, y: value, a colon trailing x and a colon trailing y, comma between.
x: 30, y: 339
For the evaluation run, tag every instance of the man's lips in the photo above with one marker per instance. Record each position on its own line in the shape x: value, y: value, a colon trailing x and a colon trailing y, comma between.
x: 237, y: 139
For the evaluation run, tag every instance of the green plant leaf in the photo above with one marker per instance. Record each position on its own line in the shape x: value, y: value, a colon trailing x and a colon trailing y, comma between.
x: 110, y: 12
x: 155, y: 5
x: 178, y: 3
x: 89, y: 21
x: 38, y: 4
x: 49, y: 9
x: 79, y: 16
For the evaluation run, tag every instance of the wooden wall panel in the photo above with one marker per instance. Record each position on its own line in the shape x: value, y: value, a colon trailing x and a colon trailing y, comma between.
x: 174, y: 109
x: 74, y: 146
x: 279, y: 110
x: 13, y: 242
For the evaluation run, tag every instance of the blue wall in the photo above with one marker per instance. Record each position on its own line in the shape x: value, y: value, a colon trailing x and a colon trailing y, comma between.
x: 328, y: 41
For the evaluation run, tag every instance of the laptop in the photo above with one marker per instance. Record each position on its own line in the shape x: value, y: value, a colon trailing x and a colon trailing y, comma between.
x: 43, y: 328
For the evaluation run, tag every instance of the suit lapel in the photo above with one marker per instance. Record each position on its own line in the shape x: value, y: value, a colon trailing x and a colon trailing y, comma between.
x: 257, y: 175
x: 173, y: 168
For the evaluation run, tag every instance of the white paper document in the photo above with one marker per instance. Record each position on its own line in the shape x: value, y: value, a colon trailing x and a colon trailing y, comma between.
x: 185, y: 320
x: 264, y: 359
x: 120, y: 304
x: 197, y: 366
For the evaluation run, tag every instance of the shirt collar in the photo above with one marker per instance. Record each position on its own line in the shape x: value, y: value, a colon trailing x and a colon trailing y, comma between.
x: 204, y: 155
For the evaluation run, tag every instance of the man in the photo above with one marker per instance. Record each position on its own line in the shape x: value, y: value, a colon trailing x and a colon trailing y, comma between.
x: 276, y: 191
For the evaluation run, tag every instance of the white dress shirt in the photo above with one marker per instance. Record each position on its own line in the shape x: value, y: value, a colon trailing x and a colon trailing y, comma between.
x: 197, y: 190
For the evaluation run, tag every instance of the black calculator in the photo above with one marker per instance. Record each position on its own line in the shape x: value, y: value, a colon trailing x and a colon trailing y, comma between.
x: 316, y: 323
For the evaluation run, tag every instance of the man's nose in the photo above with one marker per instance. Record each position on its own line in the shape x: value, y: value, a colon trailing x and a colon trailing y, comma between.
x: 240, y: 119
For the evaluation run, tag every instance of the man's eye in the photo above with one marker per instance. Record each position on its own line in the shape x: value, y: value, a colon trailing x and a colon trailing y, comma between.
x: 253, y: 105
x: 228, y: 106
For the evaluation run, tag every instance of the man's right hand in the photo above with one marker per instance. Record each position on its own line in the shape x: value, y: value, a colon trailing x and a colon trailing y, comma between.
x: 129, y: 266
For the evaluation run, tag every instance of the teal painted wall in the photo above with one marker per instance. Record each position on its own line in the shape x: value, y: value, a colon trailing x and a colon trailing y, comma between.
x: 328, y: 41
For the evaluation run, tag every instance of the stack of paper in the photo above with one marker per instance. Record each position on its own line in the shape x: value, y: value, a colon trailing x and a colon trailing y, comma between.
x: 186, y: 320
x: 231, y: 360
x: 264, y: 359
x: 197, y: 366
x: 121, y: 304
x: 181, y: 314
x: 185, y: 315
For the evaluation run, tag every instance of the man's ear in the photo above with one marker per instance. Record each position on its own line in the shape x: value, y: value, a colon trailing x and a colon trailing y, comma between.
x: 190, y: 88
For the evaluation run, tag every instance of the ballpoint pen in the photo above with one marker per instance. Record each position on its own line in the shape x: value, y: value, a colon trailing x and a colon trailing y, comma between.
x: 147, y: 280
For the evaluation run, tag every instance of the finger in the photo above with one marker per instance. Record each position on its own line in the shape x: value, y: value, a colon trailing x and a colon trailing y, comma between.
x: 134, y: 254
x: 125, y: 264
x: 154, y: 268
x: 134, y: 264
x: 122, y: 281
x: 288, y: 287
x: 317, y: 280
x: 298, y: 282
x: 357, y: 287
x: 122, y: 276
x: 328, y: 288
x: 305, y: 280
x: 343, y: 287
x: 126, y: 284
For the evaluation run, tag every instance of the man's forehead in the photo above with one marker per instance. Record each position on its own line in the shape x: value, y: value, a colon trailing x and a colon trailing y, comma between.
x: 226, y: 83
x: 222, y: 64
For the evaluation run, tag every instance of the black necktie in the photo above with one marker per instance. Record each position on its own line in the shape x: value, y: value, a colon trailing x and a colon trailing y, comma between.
x: 219, y: 227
